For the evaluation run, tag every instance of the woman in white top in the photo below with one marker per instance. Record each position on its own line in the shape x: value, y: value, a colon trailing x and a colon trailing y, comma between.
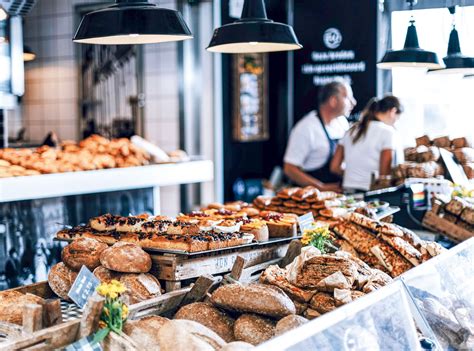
x: 370, y: 145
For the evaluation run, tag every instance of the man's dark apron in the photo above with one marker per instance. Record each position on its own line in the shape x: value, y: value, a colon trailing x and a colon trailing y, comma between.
x: 324, y: 173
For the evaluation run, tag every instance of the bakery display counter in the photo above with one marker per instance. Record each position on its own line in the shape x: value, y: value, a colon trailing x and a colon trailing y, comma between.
x: 106, y: 180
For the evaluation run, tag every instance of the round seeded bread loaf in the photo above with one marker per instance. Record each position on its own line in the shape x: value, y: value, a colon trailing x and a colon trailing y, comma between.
x: 209, y: 316
x: 140, y: 287
x: 12, y: 304
x: 60, y: 279
x: 183, y: 335
x: 254, y: 298
x: 145, y: 331
x: 83, y: 252
x: 254, y: 329
x: 127, y: 258
x: 106, y: 275
x: 288, y: 323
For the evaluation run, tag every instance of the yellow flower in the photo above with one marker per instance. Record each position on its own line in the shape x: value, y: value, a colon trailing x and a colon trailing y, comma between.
x: 106, y: 311
x: 124, y: 312
x: 112, y: 295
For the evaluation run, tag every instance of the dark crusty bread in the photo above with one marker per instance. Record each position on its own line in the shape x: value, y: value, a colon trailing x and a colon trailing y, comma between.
x: 106, y: 275
x: 83, y: 252
x: 127, y: 258
x: 60, y: 279
x: 254, y: 329
x: 12, y: 304
x: 209, y: 316
x: 145, y: 331
x: 323, y: 302
x: 140, y: 287
x: 237, y: 346
x: 184, y: 335
x: 288, y: 323
x: 255, y: 298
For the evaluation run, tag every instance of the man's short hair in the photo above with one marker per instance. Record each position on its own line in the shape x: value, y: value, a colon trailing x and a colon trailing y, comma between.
x: 330, y: 89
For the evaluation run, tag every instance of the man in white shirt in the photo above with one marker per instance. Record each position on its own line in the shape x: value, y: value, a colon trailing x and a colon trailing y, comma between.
x: 314, y: 138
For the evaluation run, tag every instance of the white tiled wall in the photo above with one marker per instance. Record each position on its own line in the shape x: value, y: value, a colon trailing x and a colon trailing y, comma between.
x: 51, y: 97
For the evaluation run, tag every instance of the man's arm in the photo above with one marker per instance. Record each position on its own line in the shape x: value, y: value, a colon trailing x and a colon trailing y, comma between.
x: 337, y: 160
x: 303, y: 179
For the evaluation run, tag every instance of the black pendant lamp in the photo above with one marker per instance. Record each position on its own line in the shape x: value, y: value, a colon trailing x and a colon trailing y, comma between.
x: 253, y: 33
x: 455, y: 61
x: 28, y: 54
x: 132, y: 22
x: 411, y: 55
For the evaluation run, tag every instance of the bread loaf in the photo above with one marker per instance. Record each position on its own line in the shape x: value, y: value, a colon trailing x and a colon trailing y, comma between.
x: 423, y: 140
x: 83, y: 252
x: 60, y: 279
x: 238, y: 346
x: 288, y: 323
x: 140, y: 287
x: 127, y: 258
x: 254, y: 329
x: 183, y: 335
x: 209, y: 316
x: 457, y: 143
x: 311, y: 313
x: 256, y: 298
x: 323, y: 302
x: 105, y: 275
x: 12, y: 304
x: 443, y: 141
x: 145, y: 331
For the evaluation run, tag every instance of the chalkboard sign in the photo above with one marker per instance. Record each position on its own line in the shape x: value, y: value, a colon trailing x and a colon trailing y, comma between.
x: 339, y: 39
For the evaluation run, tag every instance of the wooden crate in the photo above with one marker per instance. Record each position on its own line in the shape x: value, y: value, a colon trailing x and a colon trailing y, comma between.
x: 175, y: 268
x: 436, y: 223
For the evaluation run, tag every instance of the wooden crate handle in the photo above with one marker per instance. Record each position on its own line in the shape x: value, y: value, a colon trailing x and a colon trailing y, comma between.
x: 294, y: 251
x: 238, y: 267
x: 199, y: 290
x: 91, y: 316
x: 32, y: 318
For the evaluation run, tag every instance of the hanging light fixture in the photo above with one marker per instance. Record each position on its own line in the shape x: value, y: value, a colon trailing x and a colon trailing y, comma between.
x: 411, y: 55
x: 455, y: 61
x: 3, y: 14
x: 28, y: 54
x: 254, y: 32
x: 132, y: 22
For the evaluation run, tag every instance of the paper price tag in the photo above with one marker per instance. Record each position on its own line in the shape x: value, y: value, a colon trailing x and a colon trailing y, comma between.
x: 84, y: 286
x: 305, y: 221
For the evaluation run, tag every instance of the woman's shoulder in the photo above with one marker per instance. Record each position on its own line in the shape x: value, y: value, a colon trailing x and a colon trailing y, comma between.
x: 377, y: 126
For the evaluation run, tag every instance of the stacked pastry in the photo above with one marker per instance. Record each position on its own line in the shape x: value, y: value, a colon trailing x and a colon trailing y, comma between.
x: 318, y: 283
x: 125, y: 262
x: 200, y: 234
x: 388, y: 247
x: 459, y: 211
x: 95, y: 152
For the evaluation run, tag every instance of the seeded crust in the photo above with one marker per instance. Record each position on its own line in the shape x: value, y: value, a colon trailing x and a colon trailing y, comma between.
x: 12, y: 304
x: 289, y: 323
x: 140, y: 287
x: 127, y: 258
x: 255, y: 298
x: 209, y: 316
x: 83, y: 252
x: 144, y: 331
x: 60, y: 279
x: 254, y: 329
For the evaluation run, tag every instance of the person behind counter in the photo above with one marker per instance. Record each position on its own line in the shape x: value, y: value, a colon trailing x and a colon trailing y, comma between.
x: 370, y: 145
x: 314, y: 138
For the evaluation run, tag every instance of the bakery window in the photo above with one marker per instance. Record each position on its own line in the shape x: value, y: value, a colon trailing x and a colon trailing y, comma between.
x: 435, y: 104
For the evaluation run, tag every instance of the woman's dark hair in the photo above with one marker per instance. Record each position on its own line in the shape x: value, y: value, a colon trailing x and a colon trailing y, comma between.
x: 373, y: 107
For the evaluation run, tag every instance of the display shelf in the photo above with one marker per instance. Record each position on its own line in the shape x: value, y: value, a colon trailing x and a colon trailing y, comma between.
x: 105, y: 180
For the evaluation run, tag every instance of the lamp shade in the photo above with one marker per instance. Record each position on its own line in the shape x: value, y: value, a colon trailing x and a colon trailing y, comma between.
x: 253, y: 33
x: 28, y: 54
x: 3, y: 14
x: 411, y: 55
x: 455, y: 61
x: 132, y: 22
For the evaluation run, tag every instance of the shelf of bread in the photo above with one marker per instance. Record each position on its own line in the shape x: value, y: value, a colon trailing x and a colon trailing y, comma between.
x: 104, y: 180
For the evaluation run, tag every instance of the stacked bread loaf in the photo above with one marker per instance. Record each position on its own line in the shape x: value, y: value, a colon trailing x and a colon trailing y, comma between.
x: 12, y: 304
x: 125, y: 262
x: 459, y: 211
x: 95, y: 152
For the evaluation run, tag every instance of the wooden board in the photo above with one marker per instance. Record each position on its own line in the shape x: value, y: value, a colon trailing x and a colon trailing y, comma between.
x: 176, y: 268
x: 438, y: 224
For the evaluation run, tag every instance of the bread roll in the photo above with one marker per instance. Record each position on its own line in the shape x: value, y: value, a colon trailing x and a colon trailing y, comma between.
x: 12, y: 304
x: 288, y: 323
x: 237, y: 346
x: 209, y: 316
x: 140, y: 287
x: 145, y: 331
x: 83, y: 252
x: 183, y: 335
x: 60, y: 279
x: 127, y: 258
x: 257, y: 298
x: 105, y: 275
x: 254, y: 329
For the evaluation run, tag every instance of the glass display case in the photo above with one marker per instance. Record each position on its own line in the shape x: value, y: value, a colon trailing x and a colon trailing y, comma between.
x: 379, y: 321
x: 443, y: 292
